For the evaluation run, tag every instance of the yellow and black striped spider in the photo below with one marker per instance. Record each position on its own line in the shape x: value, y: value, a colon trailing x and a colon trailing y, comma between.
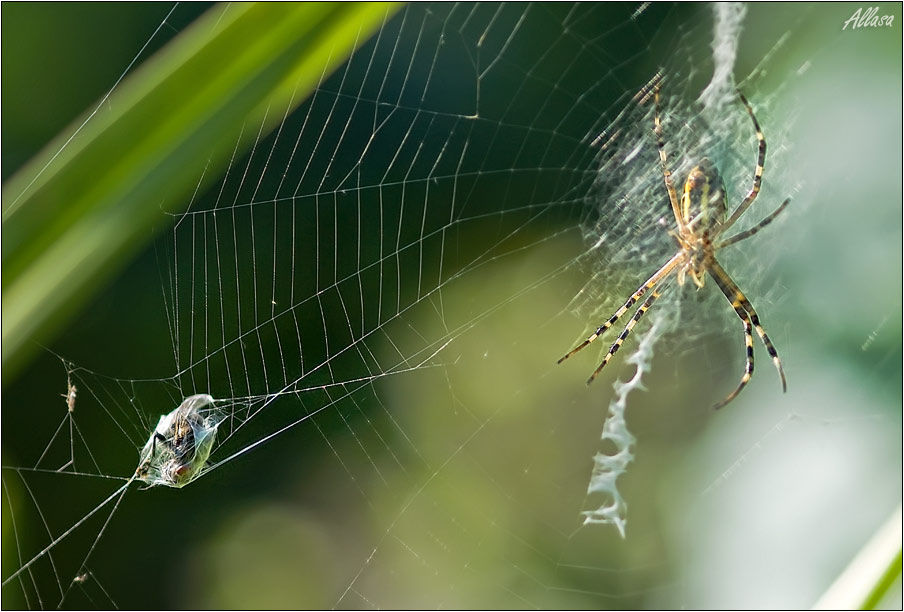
x: 700, y: 216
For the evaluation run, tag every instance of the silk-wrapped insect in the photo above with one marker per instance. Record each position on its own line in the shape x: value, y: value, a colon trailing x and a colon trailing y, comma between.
x: 177, y: 450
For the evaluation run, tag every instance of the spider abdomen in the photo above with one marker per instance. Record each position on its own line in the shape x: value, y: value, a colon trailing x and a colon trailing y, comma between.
x: 703, y: 200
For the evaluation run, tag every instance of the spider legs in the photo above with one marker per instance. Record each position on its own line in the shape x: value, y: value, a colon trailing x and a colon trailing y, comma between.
x: 627, y: 330
x: 767, y: 342
x: 602, y: 328
x: 651, y: 282
x: 748, y: 342
x: 753, y: 230
x: 748, y: 316
x: 663, y: 160
x: 757, y: 173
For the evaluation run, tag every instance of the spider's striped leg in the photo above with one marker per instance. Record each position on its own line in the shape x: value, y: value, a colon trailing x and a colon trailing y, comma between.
x: 649, y: 284
x: 757, y: 174
x: 663, y: 160
x: 748, y: 342
x: 753, y: 230
x: 739, y: 300
x: 627, y: 330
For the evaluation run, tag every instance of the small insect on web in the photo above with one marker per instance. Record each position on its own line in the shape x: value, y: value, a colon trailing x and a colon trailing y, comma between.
x: 70, y: 395
x: 178, y: 449
x: 700, y: 217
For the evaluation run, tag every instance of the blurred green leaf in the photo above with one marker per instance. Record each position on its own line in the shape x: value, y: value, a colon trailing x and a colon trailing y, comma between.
x: 91, y: 199
x: 871, y: 574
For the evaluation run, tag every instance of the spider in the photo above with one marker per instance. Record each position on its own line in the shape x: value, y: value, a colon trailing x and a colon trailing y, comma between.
x: 700, y: 216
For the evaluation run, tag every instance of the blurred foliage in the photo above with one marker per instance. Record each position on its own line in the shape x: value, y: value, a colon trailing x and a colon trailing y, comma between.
x: 94, y: 195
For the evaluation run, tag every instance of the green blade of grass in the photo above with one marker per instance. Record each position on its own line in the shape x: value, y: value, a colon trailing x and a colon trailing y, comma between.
x: 81, y: 209
x: 869, y: 577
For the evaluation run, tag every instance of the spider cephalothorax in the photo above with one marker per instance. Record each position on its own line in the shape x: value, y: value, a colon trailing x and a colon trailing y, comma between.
x: 700, y: 219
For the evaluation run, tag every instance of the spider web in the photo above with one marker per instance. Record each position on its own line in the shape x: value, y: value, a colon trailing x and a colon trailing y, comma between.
x: 375, y: 296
